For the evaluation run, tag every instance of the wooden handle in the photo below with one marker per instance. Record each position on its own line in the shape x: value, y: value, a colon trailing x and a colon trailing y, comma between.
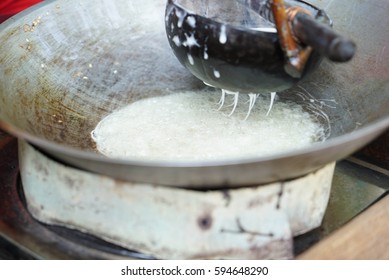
x: 295, y: 61
x: 322, y: 38
x: 296, y: 24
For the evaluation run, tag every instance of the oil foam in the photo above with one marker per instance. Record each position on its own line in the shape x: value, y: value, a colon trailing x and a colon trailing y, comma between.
x: 188, y: 126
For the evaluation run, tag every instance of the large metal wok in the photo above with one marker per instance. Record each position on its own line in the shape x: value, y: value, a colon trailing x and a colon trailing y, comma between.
x: 67, y: 64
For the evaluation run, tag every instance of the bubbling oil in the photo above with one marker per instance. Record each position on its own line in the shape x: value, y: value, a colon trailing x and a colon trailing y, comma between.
x: 189, y: 126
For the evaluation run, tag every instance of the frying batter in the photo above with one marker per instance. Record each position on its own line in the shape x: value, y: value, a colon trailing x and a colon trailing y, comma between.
x: 188, y: 126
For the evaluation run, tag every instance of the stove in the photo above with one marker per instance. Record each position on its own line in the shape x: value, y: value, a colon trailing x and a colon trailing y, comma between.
x: 359, y: 182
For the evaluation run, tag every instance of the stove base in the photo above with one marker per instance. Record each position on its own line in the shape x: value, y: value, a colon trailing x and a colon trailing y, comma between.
x: 247, y: 223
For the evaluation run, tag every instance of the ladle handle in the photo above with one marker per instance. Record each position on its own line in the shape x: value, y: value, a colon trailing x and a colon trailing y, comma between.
x: 322, y: 38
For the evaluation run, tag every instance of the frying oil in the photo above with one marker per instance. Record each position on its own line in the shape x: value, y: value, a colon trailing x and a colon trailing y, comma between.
x: 189, y: 126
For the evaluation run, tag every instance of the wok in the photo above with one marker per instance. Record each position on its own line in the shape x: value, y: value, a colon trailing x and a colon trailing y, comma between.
x: 67, y: 64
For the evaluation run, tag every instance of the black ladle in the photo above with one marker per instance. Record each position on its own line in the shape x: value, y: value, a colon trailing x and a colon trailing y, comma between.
x: 223, y: 44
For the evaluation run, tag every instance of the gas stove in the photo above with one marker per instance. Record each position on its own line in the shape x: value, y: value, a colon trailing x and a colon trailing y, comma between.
x: 359, y: 182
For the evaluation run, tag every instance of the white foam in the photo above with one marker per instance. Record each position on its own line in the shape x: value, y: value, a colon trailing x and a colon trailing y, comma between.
x: 265, y: 29
x: 190, y: 59
x: 190, y: 41
x: 206, y: 53
x: 187, y: 126
x: 223, y: 35
x: 181, y: 17
x: 177, y: 41
x: 191, y: 21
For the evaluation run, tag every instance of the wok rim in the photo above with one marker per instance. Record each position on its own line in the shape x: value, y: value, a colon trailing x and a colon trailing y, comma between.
x: 378, y: 126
